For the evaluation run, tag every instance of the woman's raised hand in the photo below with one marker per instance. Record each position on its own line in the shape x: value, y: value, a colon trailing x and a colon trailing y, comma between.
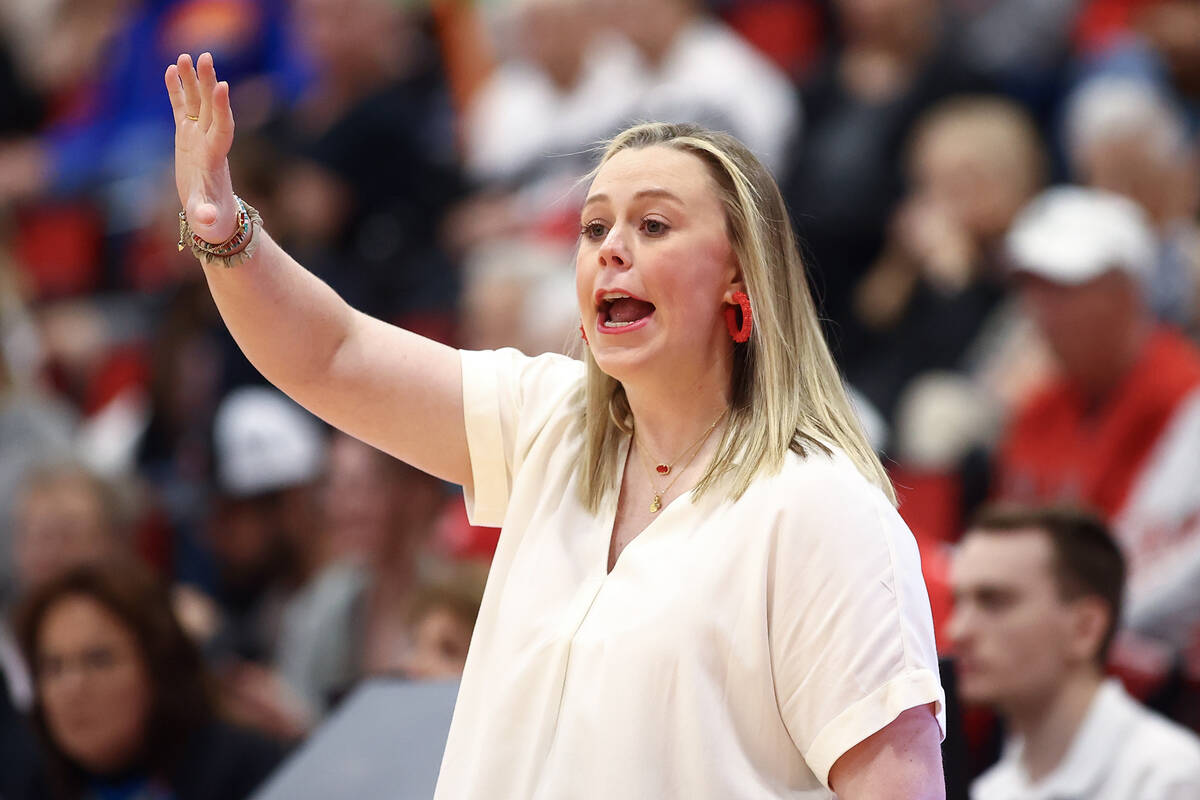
x: 203, y: 136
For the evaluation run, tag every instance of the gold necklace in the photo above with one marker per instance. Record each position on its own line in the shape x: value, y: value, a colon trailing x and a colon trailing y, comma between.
x: 666, y: 468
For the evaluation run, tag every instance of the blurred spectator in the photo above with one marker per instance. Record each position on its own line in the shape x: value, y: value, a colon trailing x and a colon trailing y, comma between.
x: 1155, y: 40
x: 65, y: 516
x: 123, y: 704
x: 1019, y: 43
x: 353, y: 619
x: 376, y: 168
x: 894, y: 60
x: 520, y: 293
x: 1038, y: 599
x: 1117, y: 428
x: 443, y: 619
x: 973, y: 163
x: 789, y: 32
x: 189, y: 355
x: 269, y: 455
x: 1124, y: 135
x: 101, y: 65
x: 566, y: 85
x: 693, y: 68
x: 265, y: 537
x: 35, y: 426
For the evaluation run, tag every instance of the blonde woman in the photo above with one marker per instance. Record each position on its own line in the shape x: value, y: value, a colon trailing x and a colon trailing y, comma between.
x: 702, y: 589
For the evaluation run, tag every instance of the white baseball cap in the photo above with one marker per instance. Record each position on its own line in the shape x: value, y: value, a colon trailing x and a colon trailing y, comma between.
x: 264, y: 442
x: 1071, y: 234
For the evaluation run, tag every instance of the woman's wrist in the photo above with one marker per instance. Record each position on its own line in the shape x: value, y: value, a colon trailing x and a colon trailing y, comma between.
x: 237, y: 248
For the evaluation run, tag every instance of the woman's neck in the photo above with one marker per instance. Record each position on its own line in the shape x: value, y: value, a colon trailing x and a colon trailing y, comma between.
x: 669, y: 419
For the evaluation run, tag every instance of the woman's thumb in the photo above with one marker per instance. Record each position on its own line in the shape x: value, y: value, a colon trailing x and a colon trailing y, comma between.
x: 205, y: 214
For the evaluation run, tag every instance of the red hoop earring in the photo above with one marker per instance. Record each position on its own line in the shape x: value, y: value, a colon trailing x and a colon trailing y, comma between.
x: 740, y: 331
x: 583, y: 333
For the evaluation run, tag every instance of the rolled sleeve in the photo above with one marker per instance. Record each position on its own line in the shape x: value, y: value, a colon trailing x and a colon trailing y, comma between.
x: 850, y: 627
x: 487, y: 498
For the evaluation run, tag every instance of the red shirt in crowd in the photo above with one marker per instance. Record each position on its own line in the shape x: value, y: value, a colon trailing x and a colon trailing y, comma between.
x: 1066, y: 447
x: 1135, y: 457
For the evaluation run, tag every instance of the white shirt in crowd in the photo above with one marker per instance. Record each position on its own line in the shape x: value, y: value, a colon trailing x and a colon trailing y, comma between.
x: 521, y: 123
x: 736, y: 650
x: 712, y: 76
x: 1159, y: 529
x: 1122, y: 751
x: 14, y: 672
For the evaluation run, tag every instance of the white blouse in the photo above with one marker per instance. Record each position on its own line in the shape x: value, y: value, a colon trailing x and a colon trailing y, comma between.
x: 736, y: 650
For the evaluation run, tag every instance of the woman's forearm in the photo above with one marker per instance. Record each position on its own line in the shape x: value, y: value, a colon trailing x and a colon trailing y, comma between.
x: 288, y: 322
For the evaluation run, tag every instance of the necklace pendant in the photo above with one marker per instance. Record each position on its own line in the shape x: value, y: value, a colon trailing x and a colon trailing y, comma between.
x: 663, y: 469
x: 655, y: 504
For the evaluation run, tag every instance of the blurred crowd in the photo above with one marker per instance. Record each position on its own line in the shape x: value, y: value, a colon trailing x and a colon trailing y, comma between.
x: 999, y: 204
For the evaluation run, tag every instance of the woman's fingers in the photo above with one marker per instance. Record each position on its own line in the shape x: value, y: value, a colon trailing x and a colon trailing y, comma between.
x: 207, y: 74
x: 191, y: 87
x: 222, y: 113
x: 175, y: 92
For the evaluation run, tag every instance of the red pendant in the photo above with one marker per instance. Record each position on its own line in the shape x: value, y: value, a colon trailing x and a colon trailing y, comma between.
x: 663, y: 469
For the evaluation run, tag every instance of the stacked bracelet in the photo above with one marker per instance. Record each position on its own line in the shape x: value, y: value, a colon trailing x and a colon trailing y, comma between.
x: 234, y: 250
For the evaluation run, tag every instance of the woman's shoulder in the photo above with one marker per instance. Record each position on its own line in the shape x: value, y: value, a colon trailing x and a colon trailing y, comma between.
x: 822, y: 490
x: 824, y: 470
x: 528, y: 374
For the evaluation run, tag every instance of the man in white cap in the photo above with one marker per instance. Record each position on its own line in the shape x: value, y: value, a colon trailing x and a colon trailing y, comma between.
x: 269, y: 455
x: 1118, y: 429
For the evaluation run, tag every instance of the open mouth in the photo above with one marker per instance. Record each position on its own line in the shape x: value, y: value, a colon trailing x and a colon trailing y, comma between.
x: 616, y: 310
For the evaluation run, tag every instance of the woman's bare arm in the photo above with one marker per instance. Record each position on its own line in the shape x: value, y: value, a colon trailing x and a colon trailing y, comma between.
x: 901, y: 762
x: 391, y: 388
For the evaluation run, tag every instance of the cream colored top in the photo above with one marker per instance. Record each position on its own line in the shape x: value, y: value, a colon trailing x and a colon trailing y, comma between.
x: 736, y: 650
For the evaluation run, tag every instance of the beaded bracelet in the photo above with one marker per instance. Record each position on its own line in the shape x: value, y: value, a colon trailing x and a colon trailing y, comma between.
x: 237, y: 248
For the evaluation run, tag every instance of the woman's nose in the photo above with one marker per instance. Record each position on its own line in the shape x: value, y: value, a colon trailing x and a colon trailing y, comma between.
x: 614, y: 252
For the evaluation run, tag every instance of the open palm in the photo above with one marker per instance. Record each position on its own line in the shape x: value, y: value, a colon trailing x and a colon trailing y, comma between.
x: 203, y: 136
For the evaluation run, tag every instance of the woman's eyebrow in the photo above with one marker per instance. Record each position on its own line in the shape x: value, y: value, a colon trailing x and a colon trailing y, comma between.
x: 600, y: 197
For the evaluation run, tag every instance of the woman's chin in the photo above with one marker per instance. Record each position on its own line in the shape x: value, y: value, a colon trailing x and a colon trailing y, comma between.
x: 622, y: 362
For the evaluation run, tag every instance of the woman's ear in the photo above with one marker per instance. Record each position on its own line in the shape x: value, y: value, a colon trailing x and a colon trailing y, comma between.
x: 737, y: 282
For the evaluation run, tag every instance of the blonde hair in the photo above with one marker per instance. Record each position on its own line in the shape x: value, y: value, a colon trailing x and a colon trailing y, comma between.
x: 786, y: 392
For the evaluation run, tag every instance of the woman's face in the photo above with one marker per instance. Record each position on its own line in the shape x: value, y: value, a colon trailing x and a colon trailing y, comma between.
x: 655, y: 268
x: 93, y: 685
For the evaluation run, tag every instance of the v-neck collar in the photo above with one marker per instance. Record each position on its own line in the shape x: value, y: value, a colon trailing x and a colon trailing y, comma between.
x: 684, y: 499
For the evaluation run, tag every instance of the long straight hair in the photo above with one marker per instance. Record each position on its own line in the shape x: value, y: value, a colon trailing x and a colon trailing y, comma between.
x: 787, y: 393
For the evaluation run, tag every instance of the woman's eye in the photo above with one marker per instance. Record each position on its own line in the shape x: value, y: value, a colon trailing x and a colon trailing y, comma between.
x: 655, y: 227
x: 594, y: 230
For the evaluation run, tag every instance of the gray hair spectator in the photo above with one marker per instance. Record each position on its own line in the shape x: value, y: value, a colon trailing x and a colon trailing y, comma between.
x: 1038, y: 596
x: 1117, y: 428
x: 1126, y: 136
